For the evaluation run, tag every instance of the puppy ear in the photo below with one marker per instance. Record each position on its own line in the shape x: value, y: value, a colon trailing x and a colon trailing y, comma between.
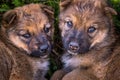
x: 109, y: 10
x: 64, y: 4
x: 10, y: 17
x: 102, y: 4
x: 48, y: 11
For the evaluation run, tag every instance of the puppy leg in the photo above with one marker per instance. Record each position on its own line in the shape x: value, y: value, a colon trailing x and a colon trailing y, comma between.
x: 78, y: 74
x: 58, y: 75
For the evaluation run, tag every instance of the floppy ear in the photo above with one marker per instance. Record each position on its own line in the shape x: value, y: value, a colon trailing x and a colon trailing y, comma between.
x: 64, y: 4
x: 109, y: 10
x: 10, y: 17
x: 48, y: 11
x: 102, y: 4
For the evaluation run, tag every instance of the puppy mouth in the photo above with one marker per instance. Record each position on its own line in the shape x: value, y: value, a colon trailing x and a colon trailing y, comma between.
x: 72, y: 53
x: 38, y: 54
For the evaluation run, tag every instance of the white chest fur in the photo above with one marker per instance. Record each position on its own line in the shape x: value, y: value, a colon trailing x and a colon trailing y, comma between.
x: 71, y: 62
x: 39, y: 64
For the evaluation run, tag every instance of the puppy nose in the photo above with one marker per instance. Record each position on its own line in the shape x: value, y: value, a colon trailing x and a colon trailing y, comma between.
x: 73, y: 46
x: 43, y: 48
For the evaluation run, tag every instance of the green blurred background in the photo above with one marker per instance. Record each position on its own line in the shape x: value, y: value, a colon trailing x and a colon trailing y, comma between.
x: 6, y: 5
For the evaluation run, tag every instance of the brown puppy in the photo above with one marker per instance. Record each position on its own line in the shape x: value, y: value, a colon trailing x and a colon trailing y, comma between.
x: 92, y: 49
x: 25, y: 42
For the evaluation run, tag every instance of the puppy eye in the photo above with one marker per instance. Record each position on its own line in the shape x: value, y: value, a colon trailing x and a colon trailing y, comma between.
x: 91, y: 29
x: 24, y: 34
x: 69, y: 24
x: 27, y: 35
x: 47, y: 28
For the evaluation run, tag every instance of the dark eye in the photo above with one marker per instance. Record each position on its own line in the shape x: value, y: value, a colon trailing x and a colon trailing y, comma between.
x: 69, y: 24
x: 27, y: 35
x: 24, y: 34
x: 47, y: 28
x: 91, y: 29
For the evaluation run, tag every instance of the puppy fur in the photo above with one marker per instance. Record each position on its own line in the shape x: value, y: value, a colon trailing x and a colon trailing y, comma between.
x: 25, y: 42
x: 92, y: 47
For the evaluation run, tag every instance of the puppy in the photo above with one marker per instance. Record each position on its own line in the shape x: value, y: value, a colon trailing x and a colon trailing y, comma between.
x: 92, y: 47
x: 25, y: 42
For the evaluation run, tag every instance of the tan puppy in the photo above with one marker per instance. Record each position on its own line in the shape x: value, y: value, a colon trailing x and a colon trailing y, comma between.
x: 92, y: 49
x: 25, y: 42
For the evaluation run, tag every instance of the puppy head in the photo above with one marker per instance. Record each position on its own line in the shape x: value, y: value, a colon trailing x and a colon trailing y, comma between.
x: 30, y: 28
x: 85, y: 24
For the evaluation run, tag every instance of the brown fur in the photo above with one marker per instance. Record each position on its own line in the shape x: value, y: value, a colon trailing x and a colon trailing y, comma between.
x: 96, y: 56
x: 21, y: 34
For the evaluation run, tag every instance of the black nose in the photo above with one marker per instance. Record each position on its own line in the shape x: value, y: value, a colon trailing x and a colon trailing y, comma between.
x: 43, y: 48
x: 73, y: 46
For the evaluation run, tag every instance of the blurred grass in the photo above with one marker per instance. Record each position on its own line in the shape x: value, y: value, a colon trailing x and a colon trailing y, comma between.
x: 5, y: 5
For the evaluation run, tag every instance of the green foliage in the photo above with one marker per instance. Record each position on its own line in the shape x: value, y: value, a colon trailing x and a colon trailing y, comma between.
x: 17, y: 3
x: 115, y: 4
x: 4, y: 7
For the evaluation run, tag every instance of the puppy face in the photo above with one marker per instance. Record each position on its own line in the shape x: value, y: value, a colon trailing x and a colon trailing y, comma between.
x: 30, y: 28
x: 85, y: 25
